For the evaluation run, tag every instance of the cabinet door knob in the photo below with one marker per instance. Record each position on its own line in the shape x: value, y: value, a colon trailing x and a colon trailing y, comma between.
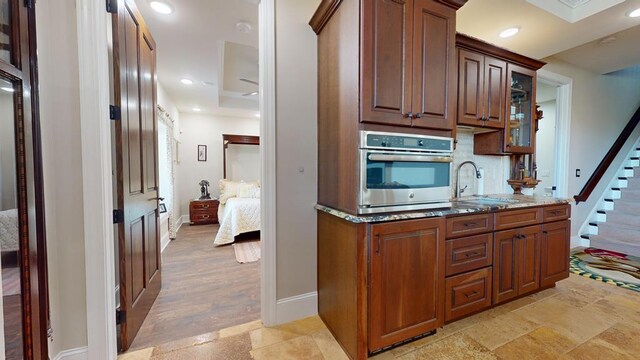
x: 409, y: 115
x: 417, y: 116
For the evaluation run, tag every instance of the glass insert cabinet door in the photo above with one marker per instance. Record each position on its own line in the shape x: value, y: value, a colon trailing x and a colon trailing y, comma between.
x: 7, y: 9
x: 520, y: 110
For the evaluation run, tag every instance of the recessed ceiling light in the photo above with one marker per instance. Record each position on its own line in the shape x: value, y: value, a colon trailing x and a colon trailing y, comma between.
x: 635, y: 13
x: 196, y: 109
x: 187, y: 81
x: 161, y: 7
x: 257, y: 115
x: 7, y: 89
x: 509, y: 32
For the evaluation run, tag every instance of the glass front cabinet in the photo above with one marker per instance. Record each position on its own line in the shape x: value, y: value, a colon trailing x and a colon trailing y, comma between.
x: 520, y: 125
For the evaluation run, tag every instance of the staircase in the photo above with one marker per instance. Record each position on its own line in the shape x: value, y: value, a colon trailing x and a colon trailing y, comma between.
x: 616, y: 224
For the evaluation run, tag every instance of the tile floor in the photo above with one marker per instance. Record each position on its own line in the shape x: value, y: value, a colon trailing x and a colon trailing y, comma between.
x: 579, y: 319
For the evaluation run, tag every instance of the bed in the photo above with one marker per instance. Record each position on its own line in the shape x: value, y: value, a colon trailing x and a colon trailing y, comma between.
x: 239, y: 210
x: 237, y: 216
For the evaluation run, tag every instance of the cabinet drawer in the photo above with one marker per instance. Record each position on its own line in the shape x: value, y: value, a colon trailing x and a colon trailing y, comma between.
x: 469, y: 225
x: 517, y: 218
x: 209, y: 211
x: 467, y: 294
x: 202, y: 205
x: 556, y: 213
x: 199, y: 217
x: 469, y: 253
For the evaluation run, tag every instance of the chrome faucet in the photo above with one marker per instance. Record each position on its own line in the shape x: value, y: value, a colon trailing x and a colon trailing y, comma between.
x: 478, y: 176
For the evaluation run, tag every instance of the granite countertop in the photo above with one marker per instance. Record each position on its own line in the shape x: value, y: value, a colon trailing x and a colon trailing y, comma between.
x: 463, y: 205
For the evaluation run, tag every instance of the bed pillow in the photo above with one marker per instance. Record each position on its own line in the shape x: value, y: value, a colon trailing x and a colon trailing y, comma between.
x: 228, y: 189
x: 248, y: 191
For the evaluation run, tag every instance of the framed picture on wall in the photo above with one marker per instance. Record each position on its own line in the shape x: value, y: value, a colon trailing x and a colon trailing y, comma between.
x: 202, y: 152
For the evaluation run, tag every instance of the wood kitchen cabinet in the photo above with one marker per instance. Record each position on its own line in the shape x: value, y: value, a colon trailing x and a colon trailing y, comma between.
x: 554, y: 252
x: 408, y: 63
x: 516, y: 263
x: 407, y: 280
x: 383, y: 65
x: 481, y: 90
x: 496, y: 90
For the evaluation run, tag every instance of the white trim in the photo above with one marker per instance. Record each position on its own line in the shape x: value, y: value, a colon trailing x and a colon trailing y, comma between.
x: 577, y: 241
x: 73, y: 354
x: 297, y: 307
x: 93, y: 64
x: 563, y: 127
x: 164, y: 241
x: 267, y: 61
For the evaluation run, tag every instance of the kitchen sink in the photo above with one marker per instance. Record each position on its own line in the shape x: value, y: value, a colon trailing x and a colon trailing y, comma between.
x: 487, y: 201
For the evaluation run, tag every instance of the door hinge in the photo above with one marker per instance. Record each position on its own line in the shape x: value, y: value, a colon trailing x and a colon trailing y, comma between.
x: 29, y: 4
x: 112, y: 6
x: 114, y: 112
x: 121, y: 317
x: 118, y: 216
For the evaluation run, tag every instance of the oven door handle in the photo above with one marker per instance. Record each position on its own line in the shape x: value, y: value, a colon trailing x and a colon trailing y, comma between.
x: 414, y: 158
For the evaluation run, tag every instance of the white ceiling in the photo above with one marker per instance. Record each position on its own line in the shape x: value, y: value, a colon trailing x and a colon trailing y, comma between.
x: 190, y: 44
x: 541, y: 33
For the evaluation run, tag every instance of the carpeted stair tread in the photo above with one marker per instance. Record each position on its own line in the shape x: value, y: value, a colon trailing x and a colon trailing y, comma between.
x: 604, y: 242
x: 619, y: 232
x: 622, y: 218
x: 630, y: 194
x: 622, y: 205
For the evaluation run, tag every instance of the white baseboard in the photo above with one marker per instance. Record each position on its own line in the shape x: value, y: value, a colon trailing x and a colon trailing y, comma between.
x: 73, y: 354
x: 296, y: 307
x: 164, y: 242
x: 577, y: 241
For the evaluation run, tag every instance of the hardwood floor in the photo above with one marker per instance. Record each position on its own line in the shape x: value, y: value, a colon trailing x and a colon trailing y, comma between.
x: 204, y: 289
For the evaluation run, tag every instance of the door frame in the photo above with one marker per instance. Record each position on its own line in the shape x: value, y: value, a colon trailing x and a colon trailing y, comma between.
x: 93, y: 25
x: 563, y: 127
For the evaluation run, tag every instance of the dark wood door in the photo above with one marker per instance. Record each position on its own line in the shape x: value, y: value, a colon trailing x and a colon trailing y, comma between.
x: 136, y: 163
x: 494, y: 100
x: 554, y: 253
x: 528, y: 259
x: 406, y: 280
x: 386, y: 61
x: 470, y: 88
x: 434, y: 65
x: 25, y: 303
x: 505, y: 266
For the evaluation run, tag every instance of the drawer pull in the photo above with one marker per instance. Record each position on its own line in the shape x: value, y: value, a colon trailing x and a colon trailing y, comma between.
x: 471, y: 294
x: 470, y: 224
x: 205, y: 216
x: 470, y: 254
x: 555, y: 213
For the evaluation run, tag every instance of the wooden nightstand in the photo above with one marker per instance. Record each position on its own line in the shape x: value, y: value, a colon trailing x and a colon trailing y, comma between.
x: 203, y: 211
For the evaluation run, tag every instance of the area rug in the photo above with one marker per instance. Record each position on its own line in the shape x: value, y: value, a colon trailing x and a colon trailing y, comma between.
x: 247, y: 251
x: 607, y: 266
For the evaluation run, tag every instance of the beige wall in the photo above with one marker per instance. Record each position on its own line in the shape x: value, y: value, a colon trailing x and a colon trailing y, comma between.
x: 205, y: 130
x: 296, y: 124
x: 601, y: 106
x: 60, y: 121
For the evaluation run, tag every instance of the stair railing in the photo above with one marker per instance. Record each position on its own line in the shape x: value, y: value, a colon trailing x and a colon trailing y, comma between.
x: 608, y: 159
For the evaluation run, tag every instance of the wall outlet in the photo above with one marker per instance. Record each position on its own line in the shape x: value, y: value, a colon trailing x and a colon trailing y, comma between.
x: 577, y: 172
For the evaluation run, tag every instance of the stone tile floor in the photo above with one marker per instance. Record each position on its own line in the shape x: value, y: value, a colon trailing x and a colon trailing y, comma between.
x: 578, y: 319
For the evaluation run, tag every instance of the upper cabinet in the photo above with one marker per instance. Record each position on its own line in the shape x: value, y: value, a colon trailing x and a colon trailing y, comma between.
x: 481, y: 90
x: 496, y: 90
x: 407, y: 58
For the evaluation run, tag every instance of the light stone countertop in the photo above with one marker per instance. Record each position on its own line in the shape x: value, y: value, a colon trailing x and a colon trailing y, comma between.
x: 463, y: 205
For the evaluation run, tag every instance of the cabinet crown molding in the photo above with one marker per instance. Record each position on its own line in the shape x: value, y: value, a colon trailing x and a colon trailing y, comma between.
x: 323, y: 14
x: 328, y: 7
x: 471, y: 43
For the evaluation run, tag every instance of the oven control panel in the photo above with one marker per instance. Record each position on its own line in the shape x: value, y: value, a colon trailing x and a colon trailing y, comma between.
x: 397, y: 141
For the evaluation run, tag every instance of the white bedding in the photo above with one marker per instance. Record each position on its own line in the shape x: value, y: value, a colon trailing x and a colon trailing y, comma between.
x: 237, y: 216
x: 9, y: 230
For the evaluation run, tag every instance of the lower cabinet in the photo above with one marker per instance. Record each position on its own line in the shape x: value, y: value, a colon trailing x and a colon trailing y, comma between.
x: 467, y: 294
x: 406, y: 280
x: 516, y: 264
x: 555, y: 250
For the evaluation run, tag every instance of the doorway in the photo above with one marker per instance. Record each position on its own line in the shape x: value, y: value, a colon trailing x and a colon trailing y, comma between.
x: 151, y: 150
x: 546, y: 99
